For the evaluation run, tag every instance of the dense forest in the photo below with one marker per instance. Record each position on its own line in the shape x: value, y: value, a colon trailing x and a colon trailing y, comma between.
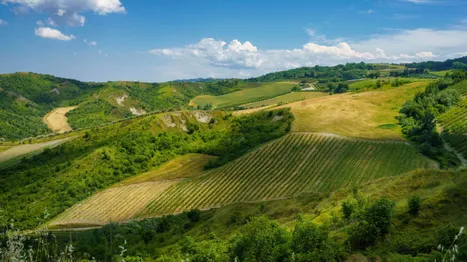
x: 60, y: 177
x: 458, y: 63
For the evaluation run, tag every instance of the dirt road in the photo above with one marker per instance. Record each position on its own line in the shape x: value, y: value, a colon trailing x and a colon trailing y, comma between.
x: 21, y: 150
x: 57, y: 121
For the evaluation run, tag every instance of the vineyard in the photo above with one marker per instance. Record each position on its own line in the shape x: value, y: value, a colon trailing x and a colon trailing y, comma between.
x: 114, y: 204
x: 129, y: 197
x: 454, y: 123
x: 461, y: 87
x: 284, y: 99
x: 297, y: 163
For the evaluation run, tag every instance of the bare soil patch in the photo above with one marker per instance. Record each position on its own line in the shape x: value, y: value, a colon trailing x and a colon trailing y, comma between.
x: 56, y: 120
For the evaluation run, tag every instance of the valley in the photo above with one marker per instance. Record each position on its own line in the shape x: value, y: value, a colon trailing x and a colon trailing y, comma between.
x: 214, y: 156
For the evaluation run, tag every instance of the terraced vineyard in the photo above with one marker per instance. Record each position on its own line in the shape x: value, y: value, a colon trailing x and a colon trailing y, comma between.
x: 296, y: 163
x: 454, y: 123
x: 285, y: 99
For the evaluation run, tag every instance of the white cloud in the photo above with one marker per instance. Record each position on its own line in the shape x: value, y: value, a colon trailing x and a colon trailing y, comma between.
x: 46, y: 32
x: 219, y: 53
x: 425, y: 55
x: 3, y: 22
x: 91, y: 43
x: 395, y: 46
x: 68, y: 11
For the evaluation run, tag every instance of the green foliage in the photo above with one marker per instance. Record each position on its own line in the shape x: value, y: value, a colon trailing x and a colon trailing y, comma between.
x: 374, y: 223
x: 348, y: 208
x: 261, y: 240
x: 311, y: 243
x: 418, y: 120
x: 323, y: 74
x: 414, y: 203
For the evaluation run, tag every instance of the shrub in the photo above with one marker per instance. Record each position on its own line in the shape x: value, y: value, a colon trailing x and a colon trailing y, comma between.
x: 347, y: 208
x: 194, y: 215
x: 414, y: 203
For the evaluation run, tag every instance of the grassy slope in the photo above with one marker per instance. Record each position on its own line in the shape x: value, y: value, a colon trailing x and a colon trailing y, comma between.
x: 365, y: 115
x: 284, y: 99
x: 252, y: 92
x: 443, y: 195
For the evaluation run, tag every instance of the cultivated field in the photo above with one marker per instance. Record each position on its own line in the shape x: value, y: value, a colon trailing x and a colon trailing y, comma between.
x: 123, y: 201
x: 364, y: 115
x: 57, y: 121
x: 454, y: 123
x: 461, y: 87
x: 247, y: 95
x: 285, y: 99
x: 297, y: 163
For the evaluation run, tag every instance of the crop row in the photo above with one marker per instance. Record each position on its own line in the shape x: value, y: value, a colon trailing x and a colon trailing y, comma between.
x: 289, y: 166
x: 114, y: 204
x: 454, y: 123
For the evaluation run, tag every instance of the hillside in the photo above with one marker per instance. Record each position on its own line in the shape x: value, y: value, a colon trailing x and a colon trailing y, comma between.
x: 212, y: 233
x: 290, y: 166
x: 369, y: 114
x: 61, y: 177
x: 26, y: 99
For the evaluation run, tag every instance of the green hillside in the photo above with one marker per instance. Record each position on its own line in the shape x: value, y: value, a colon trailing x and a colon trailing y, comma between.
x: 26, y: 97
x: 65, y: 175
x: 218, y: 234
x: 250, y: 93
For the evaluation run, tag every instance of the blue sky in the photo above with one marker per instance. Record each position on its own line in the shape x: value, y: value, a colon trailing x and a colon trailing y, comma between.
x: 152, y: 40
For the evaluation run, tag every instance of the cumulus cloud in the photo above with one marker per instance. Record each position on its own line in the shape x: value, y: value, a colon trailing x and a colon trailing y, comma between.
x: 3, y: 22
x: 46, y: 32
x: 68, y: 11
x: 217, y: 52
x: 237, y: 55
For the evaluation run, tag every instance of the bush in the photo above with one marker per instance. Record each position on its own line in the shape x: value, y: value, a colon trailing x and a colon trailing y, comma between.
x: 414, y: 203
x: 380, y: 214
x: 347, y: 208
x: 194, y: 215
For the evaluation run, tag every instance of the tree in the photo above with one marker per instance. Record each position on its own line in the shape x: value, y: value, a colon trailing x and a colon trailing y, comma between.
x: 380, y: 214
x: 311, y: 243
x: 261, y: 240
